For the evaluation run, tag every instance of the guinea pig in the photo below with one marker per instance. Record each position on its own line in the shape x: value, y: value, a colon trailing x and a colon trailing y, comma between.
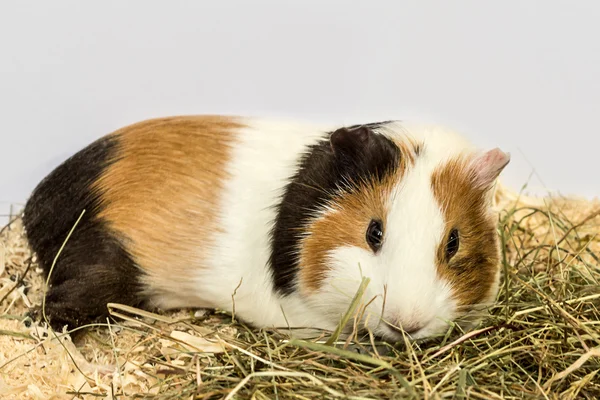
x: 278, y: 221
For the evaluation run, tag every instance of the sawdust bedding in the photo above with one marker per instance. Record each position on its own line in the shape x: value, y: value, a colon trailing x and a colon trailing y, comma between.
x: 542, y: 339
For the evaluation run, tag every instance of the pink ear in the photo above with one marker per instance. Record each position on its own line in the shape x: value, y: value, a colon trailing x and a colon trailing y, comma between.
x: 489, y: 165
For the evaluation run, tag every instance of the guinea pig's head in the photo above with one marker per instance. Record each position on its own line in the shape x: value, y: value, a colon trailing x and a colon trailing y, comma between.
x: 410, y: 208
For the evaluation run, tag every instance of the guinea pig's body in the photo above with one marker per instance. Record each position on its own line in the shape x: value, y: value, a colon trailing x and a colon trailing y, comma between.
x: 276, y: 220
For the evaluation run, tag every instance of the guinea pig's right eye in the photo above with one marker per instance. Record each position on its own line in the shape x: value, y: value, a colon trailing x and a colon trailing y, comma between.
x: 452, y: 244
x: 374, y: 235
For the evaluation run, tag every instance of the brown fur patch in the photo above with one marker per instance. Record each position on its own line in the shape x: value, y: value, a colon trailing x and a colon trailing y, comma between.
x: 347, y: 225
x: 473, y: 268
x: 161, y: 194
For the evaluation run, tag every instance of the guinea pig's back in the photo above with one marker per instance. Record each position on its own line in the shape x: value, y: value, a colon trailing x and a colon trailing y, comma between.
x: 177, y: 212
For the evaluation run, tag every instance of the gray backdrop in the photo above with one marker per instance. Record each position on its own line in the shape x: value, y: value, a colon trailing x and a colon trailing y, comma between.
x: 520, y: 75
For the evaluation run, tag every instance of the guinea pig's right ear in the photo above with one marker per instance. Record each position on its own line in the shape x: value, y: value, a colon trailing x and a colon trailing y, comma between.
x: 488, y: 166
x: 348, y: 141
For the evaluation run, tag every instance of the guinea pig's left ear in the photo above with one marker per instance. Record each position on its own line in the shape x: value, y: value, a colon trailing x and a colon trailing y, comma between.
x: 488, y: 166
x: 349, y: 140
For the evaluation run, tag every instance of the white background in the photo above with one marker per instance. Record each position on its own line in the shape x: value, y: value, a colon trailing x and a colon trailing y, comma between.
x: 522, y: 75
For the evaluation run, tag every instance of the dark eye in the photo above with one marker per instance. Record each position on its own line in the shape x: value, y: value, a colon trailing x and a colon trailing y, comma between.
x: 452, y: 244
x: 375, y: 235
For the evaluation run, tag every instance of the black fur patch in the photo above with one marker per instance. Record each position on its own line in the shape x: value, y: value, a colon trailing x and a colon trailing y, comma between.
x: 93, y: 268
x: 347, y: 156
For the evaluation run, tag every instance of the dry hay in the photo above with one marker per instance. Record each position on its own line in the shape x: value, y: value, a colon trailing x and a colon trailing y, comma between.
x: 541, y: 340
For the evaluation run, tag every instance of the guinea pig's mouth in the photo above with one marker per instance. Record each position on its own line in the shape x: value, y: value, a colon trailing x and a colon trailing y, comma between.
x: 430, y: 330
x: 410, y: 331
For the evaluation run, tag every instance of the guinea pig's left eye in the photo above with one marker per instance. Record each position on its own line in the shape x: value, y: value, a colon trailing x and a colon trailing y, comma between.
x: 452, y: 244
x: 374, y: 235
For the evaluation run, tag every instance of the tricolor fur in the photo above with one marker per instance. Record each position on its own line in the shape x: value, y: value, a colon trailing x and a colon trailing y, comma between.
x: 183, y: 212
